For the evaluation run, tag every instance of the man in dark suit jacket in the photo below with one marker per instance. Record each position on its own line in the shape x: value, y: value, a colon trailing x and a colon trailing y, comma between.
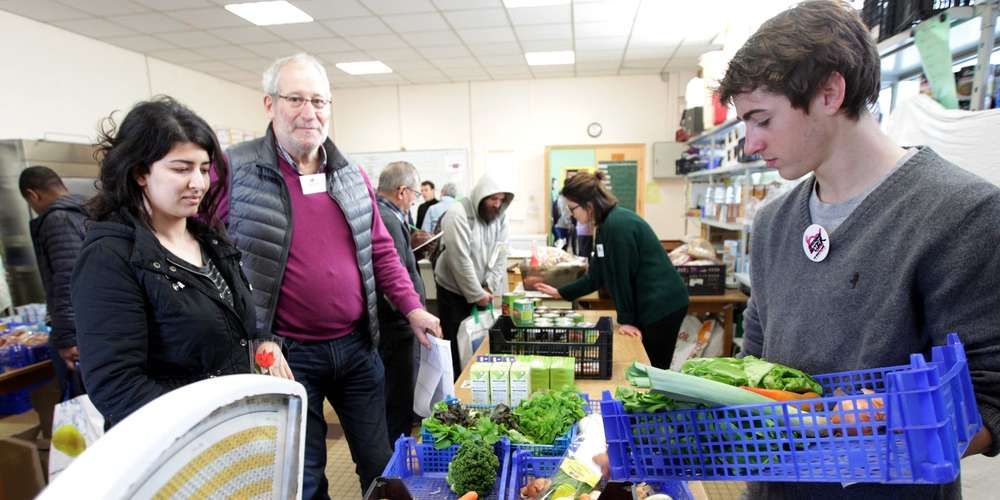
x: 427, y: 191
x: 396, y: 194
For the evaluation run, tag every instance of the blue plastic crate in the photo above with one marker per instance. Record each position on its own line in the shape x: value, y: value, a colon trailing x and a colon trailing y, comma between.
x: 15, y: 356
x: 15, y: 403
x: 524, y: 466
x: 424, y: 469
x: 928, y: 418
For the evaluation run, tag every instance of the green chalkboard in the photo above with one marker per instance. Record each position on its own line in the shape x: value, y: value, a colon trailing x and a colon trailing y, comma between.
x: 622, y: 177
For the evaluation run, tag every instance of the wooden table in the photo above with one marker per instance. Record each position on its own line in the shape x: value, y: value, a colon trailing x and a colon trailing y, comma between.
x: 700, y: 304
x: 625, y: 350
x: 21, y: 378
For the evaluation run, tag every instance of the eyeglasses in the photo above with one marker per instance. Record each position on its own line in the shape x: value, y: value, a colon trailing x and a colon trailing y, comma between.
x: 572, y: 208
x: 297, y: 101
x: 410, y: 189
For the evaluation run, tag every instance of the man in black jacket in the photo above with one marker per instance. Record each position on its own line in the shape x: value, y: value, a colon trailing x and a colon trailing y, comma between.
x: 57, y: 234
x: 396, y: 194
x: 427, y: 191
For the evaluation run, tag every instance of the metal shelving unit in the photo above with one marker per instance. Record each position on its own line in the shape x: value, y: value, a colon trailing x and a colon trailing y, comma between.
x: 901, y: 60
x: 721, y: 139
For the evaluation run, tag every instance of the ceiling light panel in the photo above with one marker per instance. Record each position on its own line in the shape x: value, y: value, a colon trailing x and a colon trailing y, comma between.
x: 553, y: 58
x: 364, y: 68
x: 518, y: 4
x: 269, y: 13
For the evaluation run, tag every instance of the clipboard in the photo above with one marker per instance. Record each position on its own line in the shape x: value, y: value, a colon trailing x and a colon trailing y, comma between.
x: 432, y: 238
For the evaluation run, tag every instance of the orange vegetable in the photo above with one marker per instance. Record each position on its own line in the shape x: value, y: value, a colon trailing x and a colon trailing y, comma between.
x: 472, y: 495
x: 779, y: 395
x: 848, y: 408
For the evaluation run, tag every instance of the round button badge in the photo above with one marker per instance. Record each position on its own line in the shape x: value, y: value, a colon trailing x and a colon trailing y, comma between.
x: 816, y: 243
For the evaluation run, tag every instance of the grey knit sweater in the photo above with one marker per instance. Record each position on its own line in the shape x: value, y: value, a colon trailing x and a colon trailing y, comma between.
x: 917, y: 259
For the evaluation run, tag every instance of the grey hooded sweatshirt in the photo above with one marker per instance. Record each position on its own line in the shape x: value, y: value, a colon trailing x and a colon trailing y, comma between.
x: 475, y: 253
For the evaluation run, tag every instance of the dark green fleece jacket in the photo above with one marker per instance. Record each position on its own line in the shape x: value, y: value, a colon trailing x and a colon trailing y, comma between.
x: 629, y: 260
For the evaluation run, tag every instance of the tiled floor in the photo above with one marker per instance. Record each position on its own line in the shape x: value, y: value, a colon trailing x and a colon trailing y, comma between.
x: 724, y: 490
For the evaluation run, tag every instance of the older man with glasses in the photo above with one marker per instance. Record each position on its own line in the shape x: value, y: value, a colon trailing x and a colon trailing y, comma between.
x: 397, y: 193
x: 315, y: 250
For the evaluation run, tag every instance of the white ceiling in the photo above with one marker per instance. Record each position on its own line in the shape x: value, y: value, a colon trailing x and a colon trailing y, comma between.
x: 423, y: 41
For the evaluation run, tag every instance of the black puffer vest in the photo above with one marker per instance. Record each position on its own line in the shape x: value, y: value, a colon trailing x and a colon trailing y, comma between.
x: 260, y: 220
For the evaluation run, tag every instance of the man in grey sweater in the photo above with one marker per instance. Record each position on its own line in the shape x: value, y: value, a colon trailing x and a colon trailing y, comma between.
x: 472, y: 268
x: 882, y: 252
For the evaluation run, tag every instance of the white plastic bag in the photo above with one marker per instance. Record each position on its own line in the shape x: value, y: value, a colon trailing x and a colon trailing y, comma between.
x: 76, y: 425
x: 694, y: 338
x: 435, y: 377
x: 472, y: 331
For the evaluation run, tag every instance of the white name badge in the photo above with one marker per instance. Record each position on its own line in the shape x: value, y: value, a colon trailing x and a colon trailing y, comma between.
x: 816, y: 243
x: 313, y: 183
x: 600, y: 250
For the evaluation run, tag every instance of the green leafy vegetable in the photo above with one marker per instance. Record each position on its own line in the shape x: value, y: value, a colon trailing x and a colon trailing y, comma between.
x: 752, y: 372
x: 474, y: 468
x: 644, y: 402
x: 728, y: 371
x: 503, y: 416
x: 549, y: 414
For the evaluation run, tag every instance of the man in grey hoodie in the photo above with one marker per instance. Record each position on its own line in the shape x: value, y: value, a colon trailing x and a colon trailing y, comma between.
x: 882, y: 252
x: 472, y: 268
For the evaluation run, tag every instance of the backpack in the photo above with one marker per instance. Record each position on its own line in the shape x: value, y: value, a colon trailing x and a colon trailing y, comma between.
x: 436, y: 247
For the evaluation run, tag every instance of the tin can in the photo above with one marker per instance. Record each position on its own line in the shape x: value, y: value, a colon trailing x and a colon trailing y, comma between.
x: 507, y: 302
x: 523, y: 312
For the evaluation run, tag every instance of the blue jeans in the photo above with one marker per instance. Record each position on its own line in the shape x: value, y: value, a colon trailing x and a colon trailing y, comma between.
x: 348, y: 373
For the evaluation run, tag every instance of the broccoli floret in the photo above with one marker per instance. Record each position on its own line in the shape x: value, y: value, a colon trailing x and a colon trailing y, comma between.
x: 474, y: 468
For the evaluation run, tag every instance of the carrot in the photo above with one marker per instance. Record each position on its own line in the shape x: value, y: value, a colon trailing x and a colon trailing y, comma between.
x: 472, y: 495
x: 780, y: 395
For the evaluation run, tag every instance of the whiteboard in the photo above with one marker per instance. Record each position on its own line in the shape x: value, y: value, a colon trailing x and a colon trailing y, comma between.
x: 439, y: 166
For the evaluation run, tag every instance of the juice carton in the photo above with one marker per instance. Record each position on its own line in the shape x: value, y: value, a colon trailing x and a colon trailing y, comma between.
x: 479, y: 376
x: 500, y: 383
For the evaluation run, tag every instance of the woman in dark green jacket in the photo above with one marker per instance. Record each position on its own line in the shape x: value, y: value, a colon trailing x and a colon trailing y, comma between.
x: 627, y: 259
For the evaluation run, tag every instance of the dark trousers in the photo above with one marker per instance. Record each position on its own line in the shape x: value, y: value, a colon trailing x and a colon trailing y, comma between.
x: 347, y: 372
x: 70, y: 383
x: 660, y: 338
x: 452, y: 309
x: 397, y: 348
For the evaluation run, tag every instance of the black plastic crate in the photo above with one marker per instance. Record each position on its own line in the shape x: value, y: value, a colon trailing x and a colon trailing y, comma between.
x: 591, y: 347
x: 704, y: 280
